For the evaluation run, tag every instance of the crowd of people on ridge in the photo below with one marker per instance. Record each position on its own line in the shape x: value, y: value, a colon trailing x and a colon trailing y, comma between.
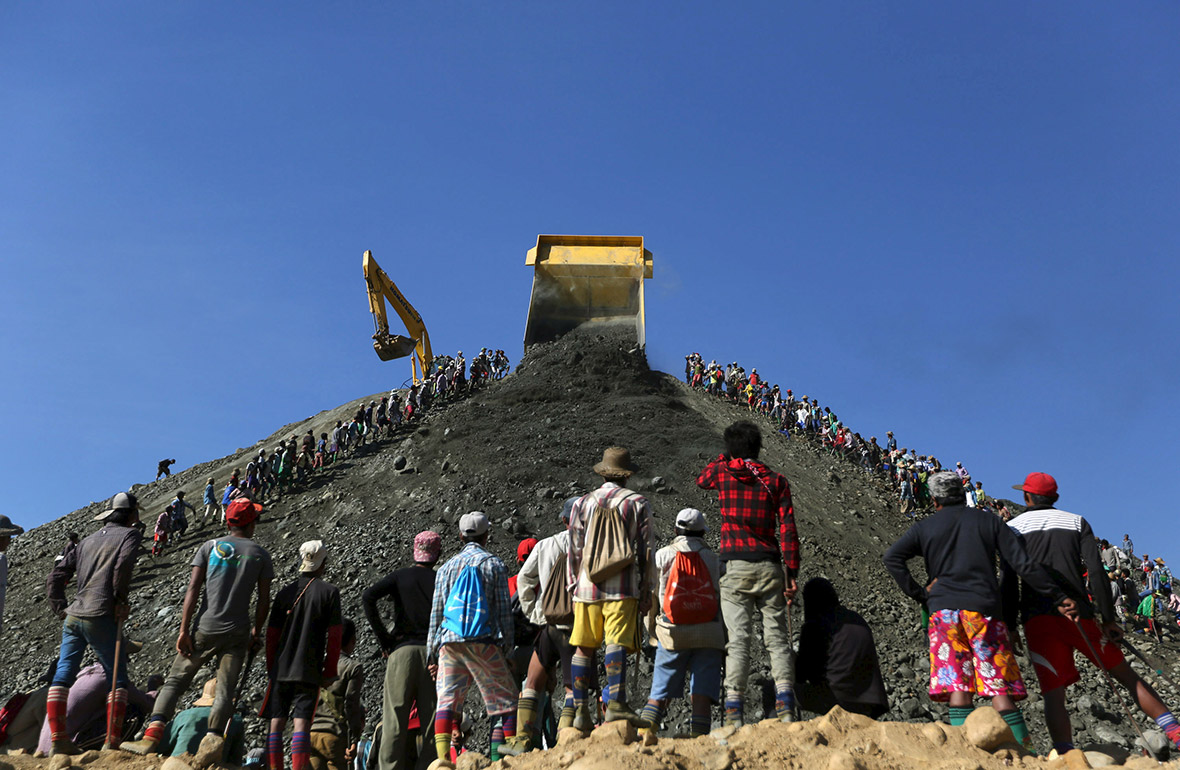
x: 903, y: 469
x: 288, y: 466
x: 597, y: 588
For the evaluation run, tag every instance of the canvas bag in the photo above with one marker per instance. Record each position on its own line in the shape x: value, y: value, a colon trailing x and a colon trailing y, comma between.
x: 466, y: 611
x: 557, y: 601
x: 609, y: 548
x: 690, y: 597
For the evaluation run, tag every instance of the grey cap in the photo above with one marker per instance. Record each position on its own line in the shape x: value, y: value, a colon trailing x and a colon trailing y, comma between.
x: 473, y: 524
x: 567, y: 508
x: 8, y: 528
x: 124, y: 501
x: 691, y: 520
x: 945, y: 484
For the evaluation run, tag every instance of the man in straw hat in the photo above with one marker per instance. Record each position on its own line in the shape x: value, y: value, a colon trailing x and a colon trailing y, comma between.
x: 303, y: 641
x: 610, y: 550
x: 1063, y: 544
x: 190, y: 727
x: 229, y: 570
x: 7, y: 531
x: 760, y: 548
x: 471, y: 637
x: 103, y: 564
x: 407, y: 678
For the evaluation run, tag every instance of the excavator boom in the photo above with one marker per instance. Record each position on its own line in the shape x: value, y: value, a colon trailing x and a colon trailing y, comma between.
x: 390, y: 346
x: 584, y: 278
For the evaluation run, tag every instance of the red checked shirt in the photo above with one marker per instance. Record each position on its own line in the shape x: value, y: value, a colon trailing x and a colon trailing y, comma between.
x: 757, y: 518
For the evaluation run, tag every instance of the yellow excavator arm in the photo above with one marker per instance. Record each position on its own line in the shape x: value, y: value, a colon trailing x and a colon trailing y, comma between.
x: 391, y: 346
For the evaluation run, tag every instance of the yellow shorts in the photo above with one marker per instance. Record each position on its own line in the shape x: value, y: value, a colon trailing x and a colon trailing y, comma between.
x: 615, y: 622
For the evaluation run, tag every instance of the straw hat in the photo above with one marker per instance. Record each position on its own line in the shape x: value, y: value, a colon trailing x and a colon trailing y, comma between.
x: 616, y: 461
x: 208, y: 693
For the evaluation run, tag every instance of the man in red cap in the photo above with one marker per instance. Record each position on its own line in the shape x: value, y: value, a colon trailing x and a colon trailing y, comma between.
x: 230, y: 569
x: 1064, y: 545
x: 523, y: 549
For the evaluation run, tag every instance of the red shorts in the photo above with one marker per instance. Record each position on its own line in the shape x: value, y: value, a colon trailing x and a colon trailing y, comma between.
x: 1052, y: 640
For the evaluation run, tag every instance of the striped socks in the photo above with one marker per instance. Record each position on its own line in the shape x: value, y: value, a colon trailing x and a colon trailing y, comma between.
x: 526, y: 712
x: 567, y: 713
x: 444, y: 719
x: 784, y: 699
x: 700, y: 724
x: 652, y: 714
x: 734, y: 710
x: 1170, y: 726
x: 156, y: 729
x: 959, y: 714
x: 300, y: 750
x: 616, y: 673
x: 274, y: 751
x: 1015, y: 720
x: 116, y: 708
x: 497, y: 738
x: 55, y: 712
x: 580, y: 673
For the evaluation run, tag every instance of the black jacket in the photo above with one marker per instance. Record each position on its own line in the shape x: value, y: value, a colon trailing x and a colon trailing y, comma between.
x: 960, y: 545
x: 1063, y: 544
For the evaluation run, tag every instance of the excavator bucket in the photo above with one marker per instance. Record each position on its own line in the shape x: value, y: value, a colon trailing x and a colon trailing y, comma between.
x: 391, y: 346
x: 582, y: 278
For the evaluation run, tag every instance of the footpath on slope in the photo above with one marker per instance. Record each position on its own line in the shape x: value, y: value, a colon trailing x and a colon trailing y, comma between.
x: 515, y: 450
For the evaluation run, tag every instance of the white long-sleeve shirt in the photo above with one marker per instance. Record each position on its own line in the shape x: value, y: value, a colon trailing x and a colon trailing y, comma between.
x: 535, y: 574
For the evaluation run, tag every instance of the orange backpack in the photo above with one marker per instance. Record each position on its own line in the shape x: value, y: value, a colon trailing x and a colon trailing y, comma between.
x: 690, y: 597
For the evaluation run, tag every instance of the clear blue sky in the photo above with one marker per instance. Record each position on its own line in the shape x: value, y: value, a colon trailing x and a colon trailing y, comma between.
x: 959, y: 222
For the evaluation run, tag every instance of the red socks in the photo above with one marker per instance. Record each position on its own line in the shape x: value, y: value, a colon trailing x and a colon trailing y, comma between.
x: 116, y: 708
x: 55, y: 712
x: 274, y: 751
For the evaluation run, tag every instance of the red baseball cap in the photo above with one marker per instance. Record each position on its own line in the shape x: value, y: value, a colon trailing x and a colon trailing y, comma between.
x: 525, y: 547
x: 242, y: 512
x: 1038, y: 484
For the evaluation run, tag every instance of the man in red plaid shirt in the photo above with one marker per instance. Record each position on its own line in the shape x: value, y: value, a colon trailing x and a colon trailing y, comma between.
x: 760, y: 551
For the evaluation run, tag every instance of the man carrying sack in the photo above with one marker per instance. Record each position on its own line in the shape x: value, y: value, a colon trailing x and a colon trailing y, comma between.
x: 610, y: 548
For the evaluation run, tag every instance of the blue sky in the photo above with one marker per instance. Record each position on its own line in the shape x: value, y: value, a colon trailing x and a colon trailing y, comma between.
x: 959, y: 223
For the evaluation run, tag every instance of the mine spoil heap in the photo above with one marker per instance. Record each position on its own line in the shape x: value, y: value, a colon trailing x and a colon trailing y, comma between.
x: 516, y: 450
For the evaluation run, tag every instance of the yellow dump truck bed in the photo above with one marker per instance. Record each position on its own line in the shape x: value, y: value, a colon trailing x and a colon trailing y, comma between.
x: 583, y: 278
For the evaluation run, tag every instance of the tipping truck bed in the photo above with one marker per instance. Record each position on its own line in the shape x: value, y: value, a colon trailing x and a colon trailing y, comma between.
x: 583, y: 278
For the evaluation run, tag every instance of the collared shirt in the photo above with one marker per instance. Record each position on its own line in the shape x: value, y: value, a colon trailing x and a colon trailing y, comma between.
x: 757, y: 516
x: 494, y: 576
x: 103, y: 562
x: 630, y: 583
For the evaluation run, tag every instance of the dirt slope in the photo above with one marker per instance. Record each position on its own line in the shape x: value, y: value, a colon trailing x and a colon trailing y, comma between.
x: 515, y: 450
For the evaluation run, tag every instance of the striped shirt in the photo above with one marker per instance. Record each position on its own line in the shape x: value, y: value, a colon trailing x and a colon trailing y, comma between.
x: 1063, y: 544
x: 632, y: 582
x: 494, y: 576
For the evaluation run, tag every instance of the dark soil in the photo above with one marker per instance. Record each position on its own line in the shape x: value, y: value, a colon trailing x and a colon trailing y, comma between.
x: 516, y: 450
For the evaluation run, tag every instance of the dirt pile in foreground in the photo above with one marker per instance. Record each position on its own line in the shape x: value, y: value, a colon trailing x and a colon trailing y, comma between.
x: 516, y: 450
x: 837, y: 741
